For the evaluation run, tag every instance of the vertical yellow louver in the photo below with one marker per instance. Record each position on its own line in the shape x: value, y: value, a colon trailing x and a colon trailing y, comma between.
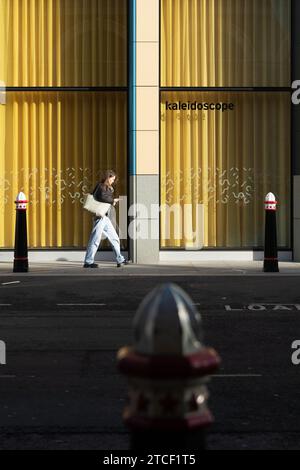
x: 218, y: 164
x: 63, y: 43
x: 54, y: 144
x: 227, y: 162
x: 225, y: 43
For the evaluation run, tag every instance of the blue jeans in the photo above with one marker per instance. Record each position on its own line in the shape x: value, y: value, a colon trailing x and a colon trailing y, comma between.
x: 103, y: 225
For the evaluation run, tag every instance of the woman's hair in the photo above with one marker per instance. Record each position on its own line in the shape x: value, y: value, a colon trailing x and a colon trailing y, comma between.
x: 108, y: 174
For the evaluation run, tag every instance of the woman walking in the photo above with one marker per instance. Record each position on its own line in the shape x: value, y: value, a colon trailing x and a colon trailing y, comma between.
x: 104, y: 192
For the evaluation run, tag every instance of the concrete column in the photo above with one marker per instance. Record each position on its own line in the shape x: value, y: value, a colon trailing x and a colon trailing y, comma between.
x: 296, y: 127
x: 145, y: 181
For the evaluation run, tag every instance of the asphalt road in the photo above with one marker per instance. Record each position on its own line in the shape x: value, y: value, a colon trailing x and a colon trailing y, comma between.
x: 60, y: 388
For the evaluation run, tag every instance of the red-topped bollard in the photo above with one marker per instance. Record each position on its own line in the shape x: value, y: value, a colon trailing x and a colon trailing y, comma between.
x: 270, y: 254
x: 167, y: 369
x: 21, y: 251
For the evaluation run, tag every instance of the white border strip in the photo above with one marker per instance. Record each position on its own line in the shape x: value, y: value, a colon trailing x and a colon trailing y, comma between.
x: 192, y: 256
x: 219, y: 256
x: 63, y: 256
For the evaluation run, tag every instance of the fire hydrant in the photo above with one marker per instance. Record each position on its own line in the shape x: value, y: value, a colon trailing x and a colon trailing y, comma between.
x: 167, y: 369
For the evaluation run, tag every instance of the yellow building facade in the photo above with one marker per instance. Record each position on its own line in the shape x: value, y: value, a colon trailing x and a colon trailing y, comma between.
x: 140, y: 86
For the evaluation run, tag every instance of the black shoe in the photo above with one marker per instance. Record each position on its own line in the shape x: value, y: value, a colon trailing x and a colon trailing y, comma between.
x: 124, y: 263
x: 93, y: 265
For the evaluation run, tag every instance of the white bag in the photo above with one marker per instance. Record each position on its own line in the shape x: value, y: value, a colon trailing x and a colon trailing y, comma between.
x: 100, y: 209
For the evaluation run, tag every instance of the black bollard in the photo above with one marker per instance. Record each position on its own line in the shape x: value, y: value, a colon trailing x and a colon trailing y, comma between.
x: 21, y: 252
x: 270, y: 255
x: 168, y: 368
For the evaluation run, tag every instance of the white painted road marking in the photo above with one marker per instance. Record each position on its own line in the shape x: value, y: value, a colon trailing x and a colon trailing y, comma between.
x: 264, y: 307
x: 236, y: 375
x: 81, y: 305
x: 255, y: 307
x: 252, y: 307
x: 11, y: 282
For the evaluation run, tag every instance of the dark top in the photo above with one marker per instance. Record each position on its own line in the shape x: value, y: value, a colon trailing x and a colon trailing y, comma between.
x: 103, y: 193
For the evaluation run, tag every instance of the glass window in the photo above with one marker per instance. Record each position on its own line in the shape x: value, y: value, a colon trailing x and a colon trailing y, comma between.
x: 225, y: 43
x: 218, y: 165
x: 56, y: 145
x: 63, y: 43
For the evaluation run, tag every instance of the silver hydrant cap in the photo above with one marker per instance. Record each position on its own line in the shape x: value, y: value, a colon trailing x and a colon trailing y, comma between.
x: 167, y: 323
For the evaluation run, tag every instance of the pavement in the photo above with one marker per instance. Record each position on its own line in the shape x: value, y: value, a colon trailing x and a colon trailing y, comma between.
x: 173, y: 269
